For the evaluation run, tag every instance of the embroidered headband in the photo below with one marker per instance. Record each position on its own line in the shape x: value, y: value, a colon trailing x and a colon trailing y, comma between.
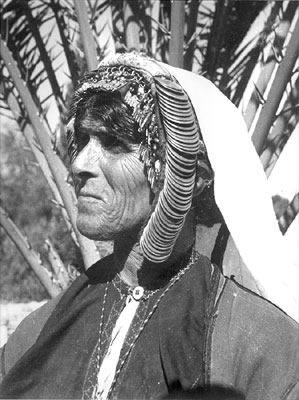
x: 171, y: 145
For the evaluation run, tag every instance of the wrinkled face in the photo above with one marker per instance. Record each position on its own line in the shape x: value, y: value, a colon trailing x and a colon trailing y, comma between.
x: 112, y: 191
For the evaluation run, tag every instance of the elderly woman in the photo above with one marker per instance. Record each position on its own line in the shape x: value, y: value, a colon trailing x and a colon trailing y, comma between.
x: 155, y: 318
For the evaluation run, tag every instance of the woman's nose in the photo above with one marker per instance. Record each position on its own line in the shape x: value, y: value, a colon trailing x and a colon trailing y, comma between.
x: 85, y: 163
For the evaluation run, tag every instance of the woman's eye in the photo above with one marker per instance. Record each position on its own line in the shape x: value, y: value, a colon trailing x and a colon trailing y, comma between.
x: 110, y: 141
x: 113, y: 144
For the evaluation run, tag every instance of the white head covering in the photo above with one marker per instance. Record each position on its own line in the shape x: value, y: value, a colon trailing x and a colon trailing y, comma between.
x: 241, y: 190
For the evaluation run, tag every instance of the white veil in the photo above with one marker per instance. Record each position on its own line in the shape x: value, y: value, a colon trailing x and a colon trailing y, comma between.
x: 242, y: 195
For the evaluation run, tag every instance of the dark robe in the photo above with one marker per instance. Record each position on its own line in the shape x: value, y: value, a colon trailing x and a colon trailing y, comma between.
x: 204, y: 331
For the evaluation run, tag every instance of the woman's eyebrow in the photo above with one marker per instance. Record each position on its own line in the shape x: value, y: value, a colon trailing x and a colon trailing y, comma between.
x: 83, y: 130
x: 103, y: 131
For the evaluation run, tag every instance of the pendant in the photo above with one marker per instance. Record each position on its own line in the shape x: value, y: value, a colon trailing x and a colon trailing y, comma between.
x: 138, y: 293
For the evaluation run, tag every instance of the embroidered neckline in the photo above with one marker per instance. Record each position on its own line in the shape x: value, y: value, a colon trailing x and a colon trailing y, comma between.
x: 139, y: 293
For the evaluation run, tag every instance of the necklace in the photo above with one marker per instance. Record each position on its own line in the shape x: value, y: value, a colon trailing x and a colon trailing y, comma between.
x: 140, y: 293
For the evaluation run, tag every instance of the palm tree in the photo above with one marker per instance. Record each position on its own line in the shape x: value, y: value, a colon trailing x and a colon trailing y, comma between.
x: 248, y: 48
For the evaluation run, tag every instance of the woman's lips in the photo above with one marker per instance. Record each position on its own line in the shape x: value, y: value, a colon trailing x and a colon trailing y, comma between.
x: 90, y: 196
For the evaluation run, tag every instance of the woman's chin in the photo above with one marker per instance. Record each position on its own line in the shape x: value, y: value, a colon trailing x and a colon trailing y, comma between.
x: 90, y: 231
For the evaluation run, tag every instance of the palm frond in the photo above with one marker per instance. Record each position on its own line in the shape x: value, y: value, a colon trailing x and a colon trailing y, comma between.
x: 177, y: 34
x: 65, y: 36
x: 281, y: 79
x: 86, y: 35
x: 29, y: 254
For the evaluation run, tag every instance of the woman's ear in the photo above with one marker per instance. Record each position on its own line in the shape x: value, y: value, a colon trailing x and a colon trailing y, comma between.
x: 200, y: 185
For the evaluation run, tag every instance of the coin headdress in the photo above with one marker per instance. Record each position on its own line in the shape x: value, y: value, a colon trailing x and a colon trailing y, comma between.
x: 171, y: 146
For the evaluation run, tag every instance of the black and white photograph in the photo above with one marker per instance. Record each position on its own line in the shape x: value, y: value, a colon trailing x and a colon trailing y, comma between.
x: 149, y: 200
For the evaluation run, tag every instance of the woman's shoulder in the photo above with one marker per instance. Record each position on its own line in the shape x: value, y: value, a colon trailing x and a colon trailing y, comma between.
x: 28, y: 331
x: 26, y: 334
x: 253, y: 341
